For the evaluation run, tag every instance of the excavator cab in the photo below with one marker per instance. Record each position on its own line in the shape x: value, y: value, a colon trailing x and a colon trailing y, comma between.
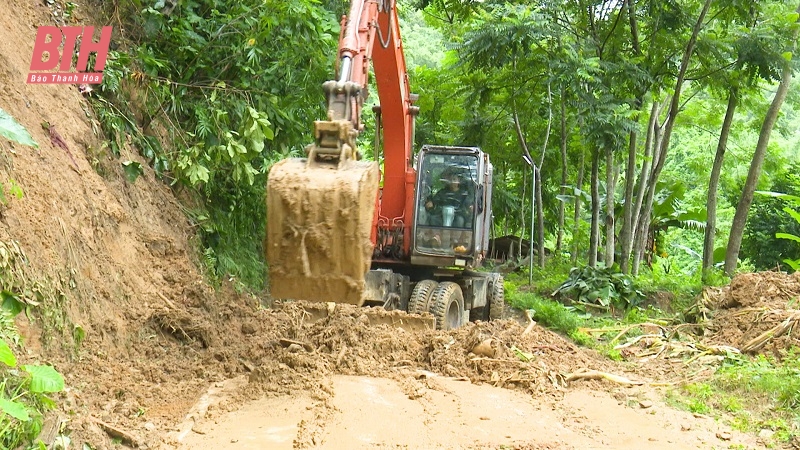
x: 451, y: 225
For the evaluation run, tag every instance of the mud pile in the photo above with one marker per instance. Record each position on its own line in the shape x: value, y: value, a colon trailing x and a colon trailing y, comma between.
x: 498, y: 352
x: 757, y: 313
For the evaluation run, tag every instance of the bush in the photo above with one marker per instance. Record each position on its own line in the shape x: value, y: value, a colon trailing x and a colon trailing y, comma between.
x: 605, y: 287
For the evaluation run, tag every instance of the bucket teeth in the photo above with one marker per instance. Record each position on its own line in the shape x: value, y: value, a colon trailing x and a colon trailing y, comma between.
x: 319, y: 225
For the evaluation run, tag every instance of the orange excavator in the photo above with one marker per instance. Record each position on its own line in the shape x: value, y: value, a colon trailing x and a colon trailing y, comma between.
x: 409, y: 238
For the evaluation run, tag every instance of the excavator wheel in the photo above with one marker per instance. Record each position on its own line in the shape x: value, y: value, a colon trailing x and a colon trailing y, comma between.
x: 497, y: 299
x: 421, y: 296
x: 447, y: 306
x: 319, y: 225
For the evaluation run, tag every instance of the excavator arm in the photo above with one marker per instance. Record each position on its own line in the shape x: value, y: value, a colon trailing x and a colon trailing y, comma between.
x: 326, y: 216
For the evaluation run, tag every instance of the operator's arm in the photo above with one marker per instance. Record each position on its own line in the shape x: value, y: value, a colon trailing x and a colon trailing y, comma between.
x: 435, y: 200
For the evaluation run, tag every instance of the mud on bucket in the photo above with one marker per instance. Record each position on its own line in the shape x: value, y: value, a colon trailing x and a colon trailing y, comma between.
x: 319, y: 224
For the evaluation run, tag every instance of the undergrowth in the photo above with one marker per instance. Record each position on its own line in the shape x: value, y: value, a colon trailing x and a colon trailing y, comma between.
x: 753, y: 393
x: 24, y: 388
x: 590, y: 330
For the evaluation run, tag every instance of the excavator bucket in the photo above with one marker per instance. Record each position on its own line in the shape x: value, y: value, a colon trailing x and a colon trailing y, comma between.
x: 319, y: 223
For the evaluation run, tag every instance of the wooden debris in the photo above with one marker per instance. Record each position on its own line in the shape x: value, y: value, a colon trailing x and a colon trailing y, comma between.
x: 51, y: 428
x: 779, y: 330
x: 531, y: 323
x: 484, y: 348
x: 589, y: 374
x: 117, y: 433
x: 166, y: 300
x: 289, y: 342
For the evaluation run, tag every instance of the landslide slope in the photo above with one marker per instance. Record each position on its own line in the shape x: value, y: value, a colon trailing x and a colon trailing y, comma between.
x: 125, y: 312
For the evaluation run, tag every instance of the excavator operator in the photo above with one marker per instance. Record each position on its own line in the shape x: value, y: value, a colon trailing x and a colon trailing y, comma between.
x: 452, y: 205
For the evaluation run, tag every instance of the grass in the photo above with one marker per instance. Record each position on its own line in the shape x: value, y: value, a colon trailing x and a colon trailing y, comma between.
x: 753, y: 393
x: 571, y: 322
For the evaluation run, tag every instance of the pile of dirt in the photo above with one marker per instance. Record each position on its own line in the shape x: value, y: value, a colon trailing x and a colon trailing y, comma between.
x: 756, y: 313
x: 498, y: 352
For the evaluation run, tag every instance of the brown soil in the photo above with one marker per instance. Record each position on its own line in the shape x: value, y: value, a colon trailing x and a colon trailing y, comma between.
x: 753, y: 304
x: 164, y: 353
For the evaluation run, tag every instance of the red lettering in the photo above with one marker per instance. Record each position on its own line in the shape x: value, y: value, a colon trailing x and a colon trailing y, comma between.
x: 71, y: 36
x: 88, y: 45
x: 41, y: 46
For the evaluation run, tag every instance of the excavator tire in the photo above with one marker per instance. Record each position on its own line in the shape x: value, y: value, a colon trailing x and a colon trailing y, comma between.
x: 497, y: 299
x: 447, y: 306
x: 421, y: 296
x: 319, y: 223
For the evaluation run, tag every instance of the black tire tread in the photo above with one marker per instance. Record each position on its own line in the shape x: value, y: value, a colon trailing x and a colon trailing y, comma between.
x: 441, y: 300
x: 421, y: 296
x: 497, y: 299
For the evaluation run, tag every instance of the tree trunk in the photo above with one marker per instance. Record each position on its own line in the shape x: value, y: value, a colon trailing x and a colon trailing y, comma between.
x: 743, y: 208
x: 563, y: 190
x: 626, y: 233
x: 522, y: 230
x: 672, y: 114
x: 539, y: 217
x: 644, y: 175
x: 595, y: 233
x: 527, y: 154
x: 610, y: 196
x: 643, y: 221
x: 713, y: 183
x: 577, y: 215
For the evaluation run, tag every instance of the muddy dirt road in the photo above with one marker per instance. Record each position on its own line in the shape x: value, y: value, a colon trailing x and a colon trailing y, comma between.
x: 426, y: 411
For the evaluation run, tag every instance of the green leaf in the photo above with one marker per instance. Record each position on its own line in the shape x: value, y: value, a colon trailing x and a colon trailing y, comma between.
x: 780, y: 195
x: 719, y: 254
x: 14, y: 409
x: 788, y: 236
x: 11, y: 303
x: 132, y: 170
x: 12, y: 130
x: 787, y: 56
x: 6, y: 355
x: 197, y: 173
x: 44, y: 379
x: 795, y: 215
x: 78, y: 334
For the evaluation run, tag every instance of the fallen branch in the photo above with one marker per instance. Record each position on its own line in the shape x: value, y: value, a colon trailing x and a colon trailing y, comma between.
x: 117, y: 433
x: 531, y: 323
x: 588, y: 374
x: 645, y: 324
x: 777, y: 331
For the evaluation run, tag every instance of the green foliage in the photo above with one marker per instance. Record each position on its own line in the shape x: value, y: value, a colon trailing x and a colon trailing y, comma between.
x: 549, y: 313
x: 760, y: 392
x: 212, y: 93
x: 12, y: 130
x: 23, y: 398
x: 767, y: 243
x: 601, y: 286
